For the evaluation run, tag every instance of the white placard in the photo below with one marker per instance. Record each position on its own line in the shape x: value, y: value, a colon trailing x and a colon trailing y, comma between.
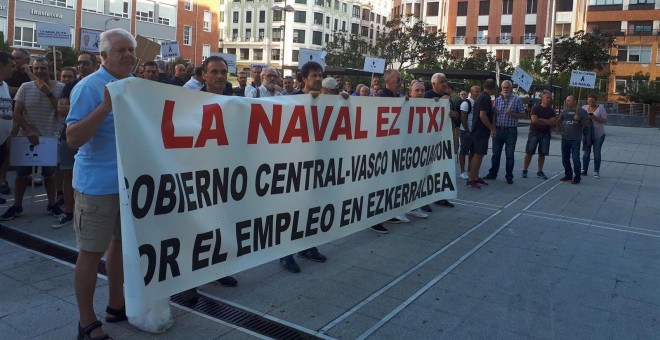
x: 89, y: 40
x: 306, y: 55
x: 49, y: 34
x: 225, y: 183
x: 169, y: 49
x: 523, y: 79
x: 374, y: 65
x: 583, y: 79
x: 230, y: 59
x: 23, y: 153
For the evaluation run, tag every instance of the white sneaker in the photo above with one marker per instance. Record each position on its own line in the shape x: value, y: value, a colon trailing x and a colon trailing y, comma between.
x: 403, y: 219
x: 465, y: 175
x: 417, y: 213
x: 596, y: 175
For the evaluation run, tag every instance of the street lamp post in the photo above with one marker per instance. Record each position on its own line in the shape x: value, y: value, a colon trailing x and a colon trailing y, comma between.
x: 105, y: 25
x: 286, y: 8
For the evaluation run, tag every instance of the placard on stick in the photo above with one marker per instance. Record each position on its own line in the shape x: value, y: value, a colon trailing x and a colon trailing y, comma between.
x: 374, y: 65
x: 23, y: 153
x: 146, y: 49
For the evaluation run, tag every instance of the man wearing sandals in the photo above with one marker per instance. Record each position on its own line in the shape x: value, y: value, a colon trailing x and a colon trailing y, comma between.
x: 90, y: 128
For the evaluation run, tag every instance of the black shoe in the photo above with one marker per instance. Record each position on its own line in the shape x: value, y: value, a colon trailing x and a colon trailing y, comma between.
x: 12, y: 212
x: 190, y: 296
x: 55, y: 209
x: 426, y: 208
x: 445, y: 203
x: 4, y: 188
x: 490, y: 176
x: 380, y: 229
x: 509, y: 180
x: 289, y: 264
x: 63, y: 220
x: 312, y: 254
x: 576, y: 180
x: 227, y: 281
x: 567, y: 179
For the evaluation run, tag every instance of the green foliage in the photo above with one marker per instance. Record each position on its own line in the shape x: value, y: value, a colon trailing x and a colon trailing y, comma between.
x: 69, y: 55
x: 582, y: 51
x: 640, y: 89
x: 534, y: 68
x: 4, y: 47
x: 346, y: 50
x: 406, y: 43
x: 479, y: 59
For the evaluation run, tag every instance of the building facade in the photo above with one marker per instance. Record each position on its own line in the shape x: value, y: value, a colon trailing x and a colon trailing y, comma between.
x: 158, y: 20
x: 635, y: 23
x: 260, y: 32
x: 510, y: 30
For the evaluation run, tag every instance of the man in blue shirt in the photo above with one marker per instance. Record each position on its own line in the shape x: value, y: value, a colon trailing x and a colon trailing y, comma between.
x: 91, y: 129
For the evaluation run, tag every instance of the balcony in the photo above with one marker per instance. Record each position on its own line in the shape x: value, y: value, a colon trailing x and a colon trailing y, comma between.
x: 459, y: 40
x: 481, y: 40
x: 504, y: 40
x: 528, y: 40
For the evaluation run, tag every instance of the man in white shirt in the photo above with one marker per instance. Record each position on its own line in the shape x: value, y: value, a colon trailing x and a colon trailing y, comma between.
x: 196, y: 82
x: 268, y: 87
x: 7, y: 68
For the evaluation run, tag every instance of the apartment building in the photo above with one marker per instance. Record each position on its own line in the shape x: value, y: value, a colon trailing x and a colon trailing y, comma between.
x: 158, y: 20
x: 635, y: 23
x: 262, y: 32
x: 510, y: 30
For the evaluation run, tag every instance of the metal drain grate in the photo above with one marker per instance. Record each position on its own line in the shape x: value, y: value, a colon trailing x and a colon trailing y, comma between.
x: 212, y: 308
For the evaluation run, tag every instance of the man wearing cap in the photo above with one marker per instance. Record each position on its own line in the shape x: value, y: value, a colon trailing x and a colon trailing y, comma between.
x: 329, y: 86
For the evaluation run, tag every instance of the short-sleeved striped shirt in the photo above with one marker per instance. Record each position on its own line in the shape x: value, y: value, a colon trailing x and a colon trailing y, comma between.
x: 39, y: 112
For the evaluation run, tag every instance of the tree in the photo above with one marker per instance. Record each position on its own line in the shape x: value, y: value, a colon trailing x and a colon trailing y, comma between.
x: 639, y: 89
x: 69, y: 55
x: 533, y: 67
x: 346, y: 50
x: 582, y: 51
x: 406, y: 43
x: 4, y: 47
x: 479, y: 59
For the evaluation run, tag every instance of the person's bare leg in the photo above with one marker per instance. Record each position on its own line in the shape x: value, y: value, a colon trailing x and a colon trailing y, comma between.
x: 4, y: 167
x: 19, y: 192
x: 115, y: 268
x: 67, y: 188
x: 475, y: 165
x: 541, y: 162
x: 84, y: 285
x: 528, y: 159
x: 59, y: 176
x: 50, y: 185
x: 461, y: 161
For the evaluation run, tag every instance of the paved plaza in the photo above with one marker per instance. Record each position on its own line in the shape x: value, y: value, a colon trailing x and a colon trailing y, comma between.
x: 536, y: 259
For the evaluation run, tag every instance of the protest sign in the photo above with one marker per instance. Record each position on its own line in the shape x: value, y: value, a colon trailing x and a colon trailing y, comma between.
x: 374, y: 65
x: 90, y: 40
x: 49, y: 34
x: 212, y: 185
x: 523, y: 79
x: 583, y: 79
x: 23, y: 153
x: 169, y: 49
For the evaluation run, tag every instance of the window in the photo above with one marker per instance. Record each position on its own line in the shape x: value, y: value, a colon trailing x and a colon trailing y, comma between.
x: 328, y: 3
x: 336, y: 5
x: 244, y: 54
x: 206, y: 51
x: 166, y: 15
x: 482, y: 35
x: 234, y: 34
x: 364, y: 31
x: 318, y: 18
x: 343, y: 26
x: 531, y: 6
x: 95, y: 6
x: 294, y: 55
x: 62, y: 3
x: 344, y: 8
x: 507, y: 7
x: 231, y: 51
x: 300, y: 16
x: 462, y: 8
x: 317, y: 38
x: 25, y: 34
x: 458, y: 54
x: 365, y: 14
x: 356, y: 11
x: 336, y: 24
x: 248, y: 17
x: 355, y: 28
x: 277, y: 15
x: 248, y: 34
x: 221, y: 16
x: 634, y: 54
x: 620, y: 85
x: 144, y: 11
x: 299, y: 36
x: 327, y: 22
x: 234, y: 18
x: 640, y: 2
x: 432, y: 9
x: 207, y: 21
x: 526, y: 54
x: 262, y: 17
x: 327, y: 38
x: 258, y: 54
x: 562, y: 30
x: 187, y: 33
x: 417, y: 9
x: 640, y: 27
x: 505, y: 34
x: 261, y: 34
x: 120, y: 9
x: 275, y: 54
x: 530, y: 34
x: 277, y: 34
x: 304, y: 2
x: 564, y: 5
x: 318, y: 3
x: 608, y: 2
x: 502, y: 54
x: 484, y: 7
x: 460, y: 35
x: 187, y: 5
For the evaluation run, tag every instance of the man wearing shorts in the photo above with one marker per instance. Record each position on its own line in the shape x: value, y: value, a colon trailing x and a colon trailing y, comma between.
x: 91, y: 129
x: 543, y: 119
x: 483, y: 127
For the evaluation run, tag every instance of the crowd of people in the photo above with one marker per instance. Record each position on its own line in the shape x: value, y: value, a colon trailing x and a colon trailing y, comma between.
x: 77, y: 109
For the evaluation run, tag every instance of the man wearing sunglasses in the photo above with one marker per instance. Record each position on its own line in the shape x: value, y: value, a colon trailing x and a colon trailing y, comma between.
x: 86, y: 65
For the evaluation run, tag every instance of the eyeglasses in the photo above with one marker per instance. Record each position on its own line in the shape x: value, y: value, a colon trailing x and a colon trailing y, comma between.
x: 84, y: 62
x: 399, y: 80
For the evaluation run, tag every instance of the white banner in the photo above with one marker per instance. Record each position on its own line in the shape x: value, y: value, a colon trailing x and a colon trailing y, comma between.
x: 583, y: 79
x: 219, y: 184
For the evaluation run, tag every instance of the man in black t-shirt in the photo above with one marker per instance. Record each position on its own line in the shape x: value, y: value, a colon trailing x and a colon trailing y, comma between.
x: 543, y: 119
x: 483, y: 127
